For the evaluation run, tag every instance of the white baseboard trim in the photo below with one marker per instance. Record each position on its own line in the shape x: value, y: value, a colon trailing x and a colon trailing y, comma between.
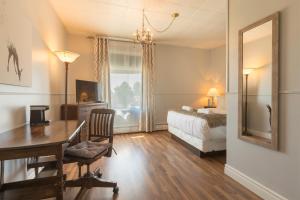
x: 130, y: 129
x: 256, y: 187
x: 135, y: 129
x: 161, y: 127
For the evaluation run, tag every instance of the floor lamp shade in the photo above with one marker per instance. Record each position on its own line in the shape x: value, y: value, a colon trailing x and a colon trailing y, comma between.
x: 66, y: 56
x: 247, y: 71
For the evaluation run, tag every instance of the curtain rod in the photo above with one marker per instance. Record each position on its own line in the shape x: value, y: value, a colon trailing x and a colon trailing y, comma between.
x: 117, y: 39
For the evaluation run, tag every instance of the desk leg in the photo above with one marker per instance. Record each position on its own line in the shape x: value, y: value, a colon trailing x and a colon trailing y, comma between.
x: 60, y: 173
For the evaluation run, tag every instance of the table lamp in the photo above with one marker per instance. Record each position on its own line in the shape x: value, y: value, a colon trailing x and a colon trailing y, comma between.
x: 212, y: 92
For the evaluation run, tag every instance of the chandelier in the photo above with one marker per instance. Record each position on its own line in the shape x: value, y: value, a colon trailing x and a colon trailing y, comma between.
x: 145, y: 36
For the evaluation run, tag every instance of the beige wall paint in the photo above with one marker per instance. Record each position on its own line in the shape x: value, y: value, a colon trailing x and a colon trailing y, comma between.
x: 184, y: 75
x: 48, y: 34
x: 278, y: 171
x: 83, y: 68
x: 217, y: 69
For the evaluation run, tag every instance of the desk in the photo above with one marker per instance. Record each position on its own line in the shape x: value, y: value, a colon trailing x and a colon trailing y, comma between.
x: 34, y: 141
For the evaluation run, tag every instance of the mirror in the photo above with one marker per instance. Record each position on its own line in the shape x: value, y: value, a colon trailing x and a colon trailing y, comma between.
x: 258, y: 82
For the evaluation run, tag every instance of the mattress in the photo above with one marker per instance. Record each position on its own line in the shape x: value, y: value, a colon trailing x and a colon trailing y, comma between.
x: 195, y: 126
x: 204, y: 146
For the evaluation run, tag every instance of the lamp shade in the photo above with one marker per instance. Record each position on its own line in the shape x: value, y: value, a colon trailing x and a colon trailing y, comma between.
x: 66, y: 56
x: 247, y: 71
x: 212, y: 92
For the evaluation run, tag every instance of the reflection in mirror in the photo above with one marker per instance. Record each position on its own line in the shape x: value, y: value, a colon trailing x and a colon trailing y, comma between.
x: 257, y: 70
x: 259, y: 85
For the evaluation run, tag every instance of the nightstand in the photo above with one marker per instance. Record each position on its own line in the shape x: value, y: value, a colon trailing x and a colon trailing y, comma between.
x: 210, y: 107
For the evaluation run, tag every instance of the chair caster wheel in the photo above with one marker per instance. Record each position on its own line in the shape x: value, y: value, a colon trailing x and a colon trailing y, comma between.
x: 99, y: 175
x: 116, y: 190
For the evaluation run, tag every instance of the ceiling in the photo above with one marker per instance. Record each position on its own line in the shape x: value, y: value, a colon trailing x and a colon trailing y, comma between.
x: 201, y: 23
x: 258, y: 32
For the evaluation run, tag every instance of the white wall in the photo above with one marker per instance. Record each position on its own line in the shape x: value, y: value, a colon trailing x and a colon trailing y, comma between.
x: 83, y: 68
x: 184, y: 75
x: 48, y: 34
x: 277, y: 170
x: 217, y: 69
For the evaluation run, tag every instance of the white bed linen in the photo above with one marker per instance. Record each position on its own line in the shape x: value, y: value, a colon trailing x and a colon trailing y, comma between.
x: 204, y: 146
x: 195, y: 126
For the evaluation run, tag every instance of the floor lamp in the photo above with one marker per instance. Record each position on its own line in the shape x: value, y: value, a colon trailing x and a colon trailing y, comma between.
x: 246, y: 72
x: 66, y: 57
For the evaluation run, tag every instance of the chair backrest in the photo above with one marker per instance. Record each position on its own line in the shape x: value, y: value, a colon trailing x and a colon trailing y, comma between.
x: 101, y: 123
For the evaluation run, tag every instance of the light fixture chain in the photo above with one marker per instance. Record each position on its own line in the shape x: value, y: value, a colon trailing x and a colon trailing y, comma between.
x: 160, y: 31
x: 145, y: 36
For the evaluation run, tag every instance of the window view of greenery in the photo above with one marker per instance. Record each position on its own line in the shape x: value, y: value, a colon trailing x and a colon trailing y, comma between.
x: 126, y: 90
x: 125, y: 95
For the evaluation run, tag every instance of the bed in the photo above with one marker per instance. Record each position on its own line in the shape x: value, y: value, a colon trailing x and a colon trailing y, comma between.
x: 198, y: 131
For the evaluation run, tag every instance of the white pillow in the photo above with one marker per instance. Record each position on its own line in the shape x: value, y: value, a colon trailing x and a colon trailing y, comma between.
x: 204, y: 111
x: 187, y: 108
x: 211, y: 111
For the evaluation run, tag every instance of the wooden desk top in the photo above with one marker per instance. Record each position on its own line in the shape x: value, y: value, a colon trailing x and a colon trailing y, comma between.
x: 35, y: 136
x: 86, y: 104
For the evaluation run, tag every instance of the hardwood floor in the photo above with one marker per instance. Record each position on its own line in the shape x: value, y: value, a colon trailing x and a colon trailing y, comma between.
x: 154, y: 166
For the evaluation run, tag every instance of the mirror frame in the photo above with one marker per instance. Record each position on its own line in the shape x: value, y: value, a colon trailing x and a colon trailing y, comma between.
x: 273, y: 142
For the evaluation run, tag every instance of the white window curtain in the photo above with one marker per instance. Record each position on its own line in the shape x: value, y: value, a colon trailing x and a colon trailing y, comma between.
x: 126, y: 85
x: 147, y: 123
x: 102, y: 69
x: 125, y: 72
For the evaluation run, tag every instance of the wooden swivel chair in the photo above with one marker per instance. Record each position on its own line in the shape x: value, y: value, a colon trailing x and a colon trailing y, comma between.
x: 87, y: 152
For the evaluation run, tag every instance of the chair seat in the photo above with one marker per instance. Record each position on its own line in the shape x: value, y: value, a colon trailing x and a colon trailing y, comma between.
x: 87, y: 149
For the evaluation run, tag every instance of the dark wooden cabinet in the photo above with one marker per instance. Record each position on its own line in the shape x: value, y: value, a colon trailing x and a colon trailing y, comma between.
x: 72, y: 112
x: 81, y: 112
x: 210, y: 107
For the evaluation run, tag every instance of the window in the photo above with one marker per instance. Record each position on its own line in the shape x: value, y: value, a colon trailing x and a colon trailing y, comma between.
x: 126, y: 84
